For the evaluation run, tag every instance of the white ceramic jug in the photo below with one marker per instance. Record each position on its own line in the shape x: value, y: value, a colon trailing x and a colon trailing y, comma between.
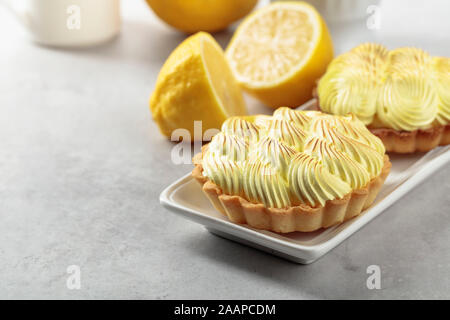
x: 68, y: 23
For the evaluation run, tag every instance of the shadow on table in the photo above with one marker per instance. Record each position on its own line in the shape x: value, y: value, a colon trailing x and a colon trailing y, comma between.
x: 309, y: 280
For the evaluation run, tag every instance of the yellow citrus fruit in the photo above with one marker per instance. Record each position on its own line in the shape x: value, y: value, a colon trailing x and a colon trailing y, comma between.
x: 200, y: 15
x: 195, y: 84
x: 279, y: 51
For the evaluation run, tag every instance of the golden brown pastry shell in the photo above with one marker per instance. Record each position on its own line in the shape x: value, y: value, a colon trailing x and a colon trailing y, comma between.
x: 413, y: 141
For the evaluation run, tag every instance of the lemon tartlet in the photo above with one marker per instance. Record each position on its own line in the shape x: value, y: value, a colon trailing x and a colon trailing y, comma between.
x: 402, y: 95
x: 293, y: 171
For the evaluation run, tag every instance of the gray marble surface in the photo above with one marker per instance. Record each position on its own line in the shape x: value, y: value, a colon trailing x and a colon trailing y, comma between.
x: 82, y: 166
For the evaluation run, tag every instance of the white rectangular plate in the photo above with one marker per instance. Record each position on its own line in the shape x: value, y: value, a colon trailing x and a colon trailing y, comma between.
x: 186, y: 198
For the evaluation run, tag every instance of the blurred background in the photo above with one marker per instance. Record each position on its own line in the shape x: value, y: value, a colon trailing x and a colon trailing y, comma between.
x: 82, y: 165
x: 145, y: 40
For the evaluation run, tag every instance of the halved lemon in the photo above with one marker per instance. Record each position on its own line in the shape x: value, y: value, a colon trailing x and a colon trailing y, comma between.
x: 279, y: 52
x: 195, y: 84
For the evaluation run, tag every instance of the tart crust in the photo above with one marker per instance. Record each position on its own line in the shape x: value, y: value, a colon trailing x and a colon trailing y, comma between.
x: 407, y: 141
x: 295, y: 218
x: 413, y: 141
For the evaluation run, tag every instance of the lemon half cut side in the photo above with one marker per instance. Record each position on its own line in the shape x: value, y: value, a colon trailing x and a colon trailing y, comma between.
x: 279, y: 52
x: 195, y: 84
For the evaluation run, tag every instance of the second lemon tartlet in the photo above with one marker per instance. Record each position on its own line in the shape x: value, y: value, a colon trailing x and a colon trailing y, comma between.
x: 402, y: 95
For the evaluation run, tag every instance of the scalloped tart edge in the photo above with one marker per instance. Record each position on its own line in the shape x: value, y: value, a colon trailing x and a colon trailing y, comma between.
x: 296, y: 218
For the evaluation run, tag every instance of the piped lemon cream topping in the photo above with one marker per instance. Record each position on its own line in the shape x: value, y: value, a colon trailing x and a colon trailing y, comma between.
x: 228, y: 146
x: 293, y: 157
x: 287, y: 132
x: 274, y: 152
x: 407, y: 102
x: 338, y: 163
x: 312, y: 184
x: 225, y: 173
x: 241, y: 128
x: 442, y: 78
x: 403, y: 89
x: 264, y: 184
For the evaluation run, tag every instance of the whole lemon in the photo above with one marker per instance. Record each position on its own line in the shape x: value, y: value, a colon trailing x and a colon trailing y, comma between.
x: 195, y: 84
x: 199, y: 15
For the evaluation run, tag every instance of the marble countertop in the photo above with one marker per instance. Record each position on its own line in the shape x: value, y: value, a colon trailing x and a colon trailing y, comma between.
x: 82, y: 165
